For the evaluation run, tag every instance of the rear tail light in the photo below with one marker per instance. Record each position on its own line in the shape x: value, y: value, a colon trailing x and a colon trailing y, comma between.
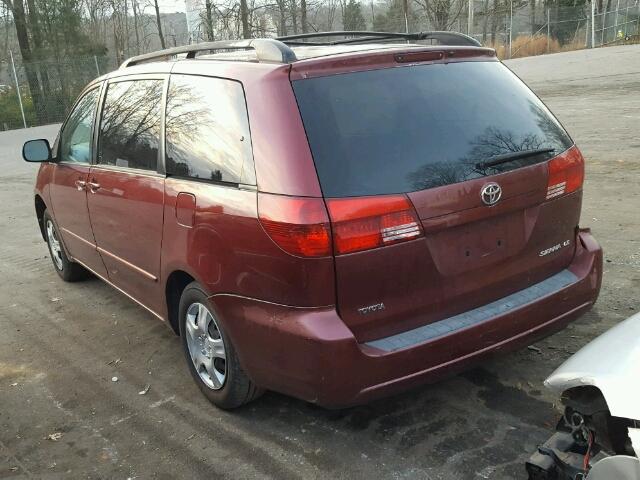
x: 566, y: 173
x: 300, y: 226
x: 370, y: 222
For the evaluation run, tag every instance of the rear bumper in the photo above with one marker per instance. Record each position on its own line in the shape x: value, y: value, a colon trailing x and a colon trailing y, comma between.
x: 310, y: 353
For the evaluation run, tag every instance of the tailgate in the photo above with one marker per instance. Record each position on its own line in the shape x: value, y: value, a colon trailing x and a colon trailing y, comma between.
x: 467, y: 258
x: 482, y: 167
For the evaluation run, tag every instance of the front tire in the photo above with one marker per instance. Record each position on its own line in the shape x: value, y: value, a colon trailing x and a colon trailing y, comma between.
x: 67, y: 270
x: 210, y: 355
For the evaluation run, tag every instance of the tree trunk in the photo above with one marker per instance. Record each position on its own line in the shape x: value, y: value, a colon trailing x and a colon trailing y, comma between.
x: 244, y: 18
x: 155, y: 2
x: 20, y: 21
x: 209, y: 19
x: 373, y: 15
x: 34, y: 26
x: 494, y: 22
x: 303, y: 16
x: 532, y: 16
x: 405, y: 12
x: 293, y: 6
x: 127, y: 51
x: 282, y: 30
x: 485, y: 21
x: 36, y: 34
x: 116, y: 41
x: 134, y: 4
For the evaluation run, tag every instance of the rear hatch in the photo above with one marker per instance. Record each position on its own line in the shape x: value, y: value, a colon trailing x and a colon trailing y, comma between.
x: 448, y: 186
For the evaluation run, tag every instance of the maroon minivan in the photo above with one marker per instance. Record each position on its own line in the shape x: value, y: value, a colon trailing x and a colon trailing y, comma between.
x: 336, y: 220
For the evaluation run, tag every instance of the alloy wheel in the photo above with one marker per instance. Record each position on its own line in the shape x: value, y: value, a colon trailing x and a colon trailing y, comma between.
x: 54, y: 245
x: 206, y: 346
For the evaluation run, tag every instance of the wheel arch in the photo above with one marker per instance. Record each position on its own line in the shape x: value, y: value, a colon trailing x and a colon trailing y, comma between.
x: 40, y: 208
x: 176, y: 283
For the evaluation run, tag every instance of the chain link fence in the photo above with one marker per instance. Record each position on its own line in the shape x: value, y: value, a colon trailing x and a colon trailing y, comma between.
x: 41, y: 92
x: 517, y: 29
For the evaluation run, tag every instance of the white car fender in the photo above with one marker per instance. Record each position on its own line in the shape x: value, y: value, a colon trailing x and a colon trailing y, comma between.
x: 620, y: 467
x: 611, y: 362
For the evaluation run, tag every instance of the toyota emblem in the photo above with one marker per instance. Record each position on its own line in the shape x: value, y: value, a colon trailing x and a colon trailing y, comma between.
x: 491, y: 193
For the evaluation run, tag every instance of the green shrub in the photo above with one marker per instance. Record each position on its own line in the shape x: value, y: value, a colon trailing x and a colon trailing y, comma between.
x: 10, y: 116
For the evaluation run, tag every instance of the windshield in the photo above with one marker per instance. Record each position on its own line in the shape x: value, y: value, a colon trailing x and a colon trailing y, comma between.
x: 411, y: 128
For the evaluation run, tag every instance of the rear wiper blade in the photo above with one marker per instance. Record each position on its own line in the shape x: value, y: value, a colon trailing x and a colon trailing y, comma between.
x: 509, y: 157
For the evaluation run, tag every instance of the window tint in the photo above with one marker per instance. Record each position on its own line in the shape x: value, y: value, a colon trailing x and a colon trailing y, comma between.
x: 411, y: 128
x: 207, y: 130
x: 130, y: 124
x: 75, y: 141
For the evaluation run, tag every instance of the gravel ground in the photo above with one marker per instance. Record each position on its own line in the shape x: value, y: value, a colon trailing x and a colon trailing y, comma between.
x: 62, y: 416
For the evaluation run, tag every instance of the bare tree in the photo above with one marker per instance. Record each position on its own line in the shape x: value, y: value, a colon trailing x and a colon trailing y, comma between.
x: 442, y: 14
x: 293, y: 7
x: 244, y: 19
x: 208, y: 19
x: 20, y: 21
x: 157, y: 8
x: 282, y: 17
x: 494, y: 20
x: 303, y: 16
x: 136, y: 14
x: 330, y: 6
x: 532, y: 16
x: 485, y: 20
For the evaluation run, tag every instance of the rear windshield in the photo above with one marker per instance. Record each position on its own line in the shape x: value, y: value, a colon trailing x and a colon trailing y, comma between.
x: 403, y: 129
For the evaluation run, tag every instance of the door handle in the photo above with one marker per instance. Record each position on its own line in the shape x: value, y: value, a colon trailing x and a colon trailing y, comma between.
x: 93, y: 186
x: 81, y: 184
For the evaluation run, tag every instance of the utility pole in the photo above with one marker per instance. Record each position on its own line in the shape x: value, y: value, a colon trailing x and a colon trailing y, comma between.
x: 586, y: 33
x: 405, y: 7
x: 548, y: 30
x: 626, y: 19
x: 470, y: 19
x: 593, y: 23
x: 510, y: 25
x: 15, y: 77
x: 604, y: 23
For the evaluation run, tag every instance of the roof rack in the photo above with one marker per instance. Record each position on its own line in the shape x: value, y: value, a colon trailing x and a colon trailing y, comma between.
x: 267, y: 50
x: 444, y: 38
x: 278, y: 50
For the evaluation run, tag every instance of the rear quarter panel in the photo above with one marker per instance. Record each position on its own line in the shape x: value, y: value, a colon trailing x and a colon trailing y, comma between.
x: 226, y: 248
x: 228, y: 252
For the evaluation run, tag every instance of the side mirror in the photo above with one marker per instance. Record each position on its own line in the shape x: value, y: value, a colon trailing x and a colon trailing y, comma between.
x: 37, y: 151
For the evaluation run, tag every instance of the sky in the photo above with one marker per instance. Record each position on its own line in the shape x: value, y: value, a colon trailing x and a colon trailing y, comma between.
x: 171, y: 6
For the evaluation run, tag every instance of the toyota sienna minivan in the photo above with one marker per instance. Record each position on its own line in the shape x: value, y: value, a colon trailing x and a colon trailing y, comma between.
x: 333, y: 219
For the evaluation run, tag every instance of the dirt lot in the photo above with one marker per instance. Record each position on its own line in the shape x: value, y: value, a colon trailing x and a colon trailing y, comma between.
x: 61, y: 344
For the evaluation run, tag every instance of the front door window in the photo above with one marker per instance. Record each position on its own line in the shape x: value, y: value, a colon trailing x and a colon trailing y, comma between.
x: 75, y: 142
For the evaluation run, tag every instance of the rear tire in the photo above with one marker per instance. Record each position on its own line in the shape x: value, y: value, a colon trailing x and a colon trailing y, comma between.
x: 210, y: 355
x: 67, y: 270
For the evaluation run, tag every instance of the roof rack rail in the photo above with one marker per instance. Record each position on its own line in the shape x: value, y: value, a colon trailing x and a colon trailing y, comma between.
x: 445, y: 38
x: 267, y: 50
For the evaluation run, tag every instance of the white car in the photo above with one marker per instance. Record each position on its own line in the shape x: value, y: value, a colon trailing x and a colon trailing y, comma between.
x: 598, y: 437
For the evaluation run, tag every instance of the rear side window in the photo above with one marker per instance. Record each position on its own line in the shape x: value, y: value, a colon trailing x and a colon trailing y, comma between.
x: 130, y: 125
x: 411, y: 128
x: 207, y: 130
